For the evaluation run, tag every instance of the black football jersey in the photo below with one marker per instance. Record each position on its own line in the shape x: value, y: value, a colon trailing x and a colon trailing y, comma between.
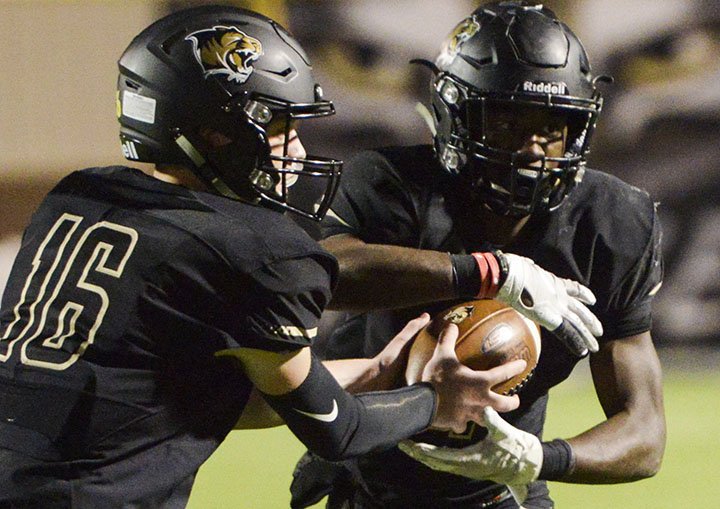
x: 605, y: 235
x: 123, y: 290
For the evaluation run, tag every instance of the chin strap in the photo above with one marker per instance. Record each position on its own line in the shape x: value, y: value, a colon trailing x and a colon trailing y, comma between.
x: 204, y: 170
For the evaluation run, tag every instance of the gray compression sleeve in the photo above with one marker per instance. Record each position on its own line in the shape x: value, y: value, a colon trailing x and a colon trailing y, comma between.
x: 337, y: 425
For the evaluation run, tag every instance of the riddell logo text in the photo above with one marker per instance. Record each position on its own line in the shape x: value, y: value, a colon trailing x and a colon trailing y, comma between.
x: 129, y: 150
x: 543, y: 87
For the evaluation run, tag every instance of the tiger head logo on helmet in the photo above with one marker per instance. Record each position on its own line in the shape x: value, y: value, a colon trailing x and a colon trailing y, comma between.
x: 462, y: 32
x: 225, y: 50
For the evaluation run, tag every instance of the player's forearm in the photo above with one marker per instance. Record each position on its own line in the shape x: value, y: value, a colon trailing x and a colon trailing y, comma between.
x: 376, y: 276
x: 630, y: 444
x: 356, y: 375
x: 386, y: 370
x: 336, y: 425
x: 621, y: 449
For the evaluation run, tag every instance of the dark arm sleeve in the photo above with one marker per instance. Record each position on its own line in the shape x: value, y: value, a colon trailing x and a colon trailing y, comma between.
x: 337, y: 425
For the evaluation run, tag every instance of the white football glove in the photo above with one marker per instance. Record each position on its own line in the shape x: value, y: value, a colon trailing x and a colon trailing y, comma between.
x: 507, y: 456
x: 556, y: 304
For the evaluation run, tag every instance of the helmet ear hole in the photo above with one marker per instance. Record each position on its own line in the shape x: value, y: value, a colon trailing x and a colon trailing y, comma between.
x: 213, y: 138
x: 132, y: 85
x: 235, y: 155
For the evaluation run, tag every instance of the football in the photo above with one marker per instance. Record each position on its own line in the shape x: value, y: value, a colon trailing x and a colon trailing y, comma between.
x: 490, y: 334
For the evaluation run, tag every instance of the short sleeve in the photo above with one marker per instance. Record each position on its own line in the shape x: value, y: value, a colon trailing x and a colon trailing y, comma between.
x: 286, y: 300
x: 629, y: 309
x: 372, y: 203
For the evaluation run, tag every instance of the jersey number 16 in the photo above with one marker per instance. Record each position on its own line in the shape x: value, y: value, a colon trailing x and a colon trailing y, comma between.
x: 65, y: 283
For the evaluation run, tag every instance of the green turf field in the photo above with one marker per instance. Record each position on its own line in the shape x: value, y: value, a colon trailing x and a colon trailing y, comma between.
x: 252, y: 470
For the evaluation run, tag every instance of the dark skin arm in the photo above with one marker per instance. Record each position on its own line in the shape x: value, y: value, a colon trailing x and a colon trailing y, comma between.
x: 368, y: 271
x: 630, y: 444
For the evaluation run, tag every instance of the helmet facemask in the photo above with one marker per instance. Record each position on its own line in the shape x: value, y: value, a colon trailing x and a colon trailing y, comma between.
x: 266, y: 174
x: 486, y: 141
x: 509, y: 77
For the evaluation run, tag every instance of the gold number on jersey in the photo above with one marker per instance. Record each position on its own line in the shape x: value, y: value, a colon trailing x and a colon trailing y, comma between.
x: 62, y: 286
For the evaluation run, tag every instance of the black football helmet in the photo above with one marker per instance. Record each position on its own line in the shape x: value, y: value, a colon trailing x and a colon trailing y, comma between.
x: 235, y: 72
x: 513, y: 60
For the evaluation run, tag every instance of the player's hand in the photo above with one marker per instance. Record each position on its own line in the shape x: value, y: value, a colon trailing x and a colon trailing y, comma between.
x: 557, y: 304
x: 392, y: 360
x: 506, y: 456
x: 464, y: 393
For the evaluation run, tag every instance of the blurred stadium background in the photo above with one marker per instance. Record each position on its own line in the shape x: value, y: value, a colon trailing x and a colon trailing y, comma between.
x: 659, y: 131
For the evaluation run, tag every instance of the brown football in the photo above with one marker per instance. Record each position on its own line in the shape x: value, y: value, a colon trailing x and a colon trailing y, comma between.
x: 490, y: 334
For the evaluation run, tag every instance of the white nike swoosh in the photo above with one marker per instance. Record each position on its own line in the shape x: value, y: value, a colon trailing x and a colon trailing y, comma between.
x: 333, y: 214
x: 322, y: 417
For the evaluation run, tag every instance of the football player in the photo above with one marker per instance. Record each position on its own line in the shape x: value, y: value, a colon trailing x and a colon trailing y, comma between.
x: 514, y: 106
x: 146, y: 313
